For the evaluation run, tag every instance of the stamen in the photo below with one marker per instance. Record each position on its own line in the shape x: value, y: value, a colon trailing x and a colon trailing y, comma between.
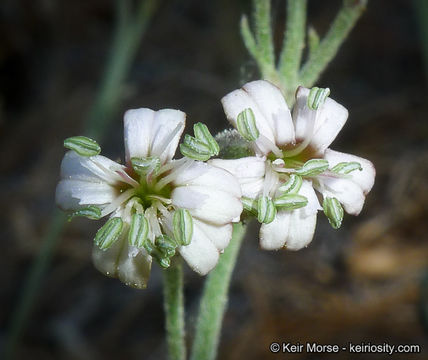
x: 269, y: 145
x: 173, y: 175
x: 271, y: 180
x: 118, y: 201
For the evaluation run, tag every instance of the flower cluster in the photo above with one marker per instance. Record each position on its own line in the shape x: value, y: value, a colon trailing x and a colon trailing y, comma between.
x: 158, y: 206
x: 292, y: 159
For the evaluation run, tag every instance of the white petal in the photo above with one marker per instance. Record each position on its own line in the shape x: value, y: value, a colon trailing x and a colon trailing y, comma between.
x: 130, y: 265
x: 239, y: 100
x: 200, y: 254
x: 214, y: 206
x: 202, y: 174
x: 274, y: 234
x: 330, y: 118
x: 313, y: 204
x: 150, y: 133
x: 106, y: 261
x: 301, y: 230
x: 365, y: 178
x: 219, y: 235
x: 134, y: 266
x: 346, y: 191
x: 138, y: 125
x: 94, y: 168
x: 293, y: 229
x: 249, y: 171
x: 272, y: 105
x: 70, y: 194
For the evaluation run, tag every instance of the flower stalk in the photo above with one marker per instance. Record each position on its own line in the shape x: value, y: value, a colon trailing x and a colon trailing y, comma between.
x: 174, y: 310
x: 214, y: 300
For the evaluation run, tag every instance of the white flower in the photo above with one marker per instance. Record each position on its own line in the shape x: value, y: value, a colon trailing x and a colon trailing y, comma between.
x: 156, y: 193
x: 283, y: 145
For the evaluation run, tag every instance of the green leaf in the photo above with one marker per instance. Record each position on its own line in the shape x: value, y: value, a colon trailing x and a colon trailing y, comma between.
x: 91, y: 212
x: 292, y: 185
x: 246, y: 124
x: 266, y: 210
x: 138, y: 230
x: 313, y: 167
x: 82, y: 145
x: 108, y: 234
x: 182, y: 226
x: 144, y: 166
x: 334, y: 211
x: 290, y: 202
x: 317, y: 97
x: 344, y: 168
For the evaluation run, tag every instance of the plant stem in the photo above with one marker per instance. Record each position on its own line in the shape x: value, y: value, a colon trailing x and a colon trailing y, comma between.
x: 174, y: 311
x: 214, y: 300
x: 294, y: 42
x: 328, y: 47
x: 128, y: 35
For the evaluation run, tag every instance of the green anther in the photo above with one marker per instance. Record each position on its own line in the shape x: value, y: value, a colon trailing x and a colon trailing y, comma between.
x: 317, y: 97
x: 334, y: 211
x: 246, y: 124
x: 250, y: 205
x: 91, y: 212
x: 203, y: 134
x: 195, y: 149
x: 108, y: 234
x: 292, y: 185
x: 138, y: 230
x: 166, y: 245
x: 313, y: 167
x: 164, y: 262
x: 344, y: 168
x: 182, y: 226
x: 266, y: 210
x: 82, y: 145
x: 144, y: 166
x: 290, y: 202
x: 161, y: 258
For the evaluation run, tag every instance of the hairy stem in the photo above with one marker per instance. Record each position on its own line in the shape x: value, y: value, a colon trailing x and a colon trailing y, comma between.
x: 174, y: 311
x: 214, y: 300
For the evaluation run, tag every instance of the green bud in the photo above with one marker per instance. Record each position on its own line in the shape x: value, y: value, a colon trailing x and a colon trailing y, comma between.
x: 138, y: 230
x: 344, y: 168
x: 334, y: 211
x: 246, y: 124
x: 203, y: 134
x: 82, y: 145
x: 250, y: 205
x: 266, y: 210
x: 144, y: 166
x: 317, y: 97
x: 108, y: 234
x: 182, y: 226
x: 292, y: 185
x: 290, y: 202
x: 91, y: 212
x: 313, y: 167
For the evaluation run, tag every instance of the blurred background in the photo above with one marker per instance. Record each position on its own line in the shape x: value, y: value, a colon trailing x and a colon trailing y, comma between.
x: 367, y: 282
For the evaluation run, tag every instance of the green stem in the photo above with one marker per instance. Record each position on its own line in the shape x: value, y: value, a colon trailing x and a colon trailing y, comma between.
x: 264, y: 38
x: 128, y: 34
x: 174, y: 311
x: 328, y: 47
x: 294, y: 42
x: 214, y: 300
